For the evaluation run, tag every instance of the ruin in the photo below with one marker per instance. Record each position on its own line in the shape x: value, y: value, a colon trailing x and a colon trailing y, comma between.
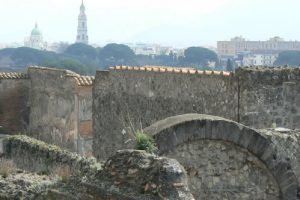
x: 58, y: 102
x: 235, y: 134
x: 128, y: 98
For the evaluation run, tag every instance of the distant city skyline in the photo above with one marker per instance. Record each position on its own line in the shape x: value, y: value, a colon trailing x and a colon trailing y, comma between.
x: 178, y: 23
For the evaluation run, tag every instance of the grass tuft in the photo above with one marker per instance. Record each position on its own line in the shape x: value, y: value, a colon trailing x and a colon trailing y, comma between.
x: 7, y: 167
x: 145, y: 142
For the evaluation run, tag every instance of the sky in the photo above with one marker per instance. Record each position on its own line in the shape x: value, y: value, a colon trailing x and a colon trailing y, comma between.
x: 178, y: 23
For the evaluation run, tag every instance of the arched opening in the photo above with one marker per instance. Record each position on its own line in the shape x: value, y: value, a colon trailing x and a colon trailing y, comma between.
x: 224, y: 158
x: 218, y: 170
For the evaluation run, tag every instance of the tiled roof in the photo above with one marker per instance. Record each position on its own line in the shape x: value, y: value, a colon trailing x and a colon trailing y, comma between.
x: 84, y: 80
x: 170, y: 70
x: 12, y: 75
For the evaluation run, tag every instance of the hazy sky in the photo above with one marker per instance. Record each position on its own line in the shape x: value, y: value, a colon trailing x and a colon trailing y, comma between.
x: 169, y: 22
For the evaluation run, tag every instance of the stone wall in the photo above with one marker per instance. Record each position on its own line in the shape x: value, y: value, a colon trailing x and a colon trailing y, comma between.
x: 288, y: 145
x: 53, y: 110
x: 128, y: 175
x: 131, y: 99
x: 37, y: 156
x: 226, y: 159
x: 61, y: 108
x: 269, y: 97
x: 85, y: 126
x: 219, y: 169
x: 14, y: 109
x: 144, y: 176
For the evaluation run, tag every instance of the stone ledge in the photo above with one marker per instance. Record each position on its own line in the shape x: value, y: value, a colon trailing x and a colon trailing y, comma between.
x: 37, y: 156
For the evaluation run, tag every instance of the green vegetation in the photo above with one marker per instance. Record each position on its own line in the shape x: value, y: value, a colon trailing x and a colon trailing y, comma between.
x: 145, y: 142
x: 7, y: 167
x: 85, y: 59
x: 82, y: 51
x: 198, y: 56
x: 288, y: 58
x: 229, y: 65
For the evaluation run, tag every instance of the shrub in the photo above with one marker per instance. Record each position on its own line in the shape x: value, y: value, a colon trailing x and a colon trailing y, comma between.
x: 145, y: 142
x: 7, y: 167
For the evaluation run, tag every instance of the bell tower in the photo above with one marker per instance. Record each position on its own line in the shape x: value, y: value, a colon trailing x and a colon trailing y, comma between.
x: 82, y: 32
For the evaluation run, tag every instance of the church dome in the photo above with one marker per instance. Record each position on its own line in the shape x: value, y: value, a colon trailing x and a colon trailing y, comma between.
x: 36, y: 31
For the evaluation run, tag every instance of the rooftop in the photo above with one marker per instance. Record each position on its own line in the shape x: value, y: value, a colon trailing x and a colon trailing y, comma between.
x: 84, y: 80
x: 164, y: 69
x: 12, y: 75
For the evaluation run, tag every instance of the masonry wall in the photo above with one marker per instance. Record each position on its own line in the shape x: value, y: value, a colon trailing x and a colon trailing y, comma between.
x: 37, y: 156
x: 269, y: 97
x: 128, y: 175
x: 219, y: 169
x: 85, y: 125
x: 125, y: 101
x: 227, y: 159
x: 14, y: 111
x: 53, y: 107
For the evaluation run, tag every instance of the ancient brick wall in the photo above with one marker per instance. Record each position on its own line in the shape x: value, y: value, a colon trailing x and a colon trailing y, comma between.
x: 227, y: 159
x: 49, y: 104
x: 269, y: 97
x: 217, y: 169
x: 37, y: 156
x: 128, y: 175
x: 85, y: 126
x: 129, y: 99
x: 14, y: 111
x: 53, y: 110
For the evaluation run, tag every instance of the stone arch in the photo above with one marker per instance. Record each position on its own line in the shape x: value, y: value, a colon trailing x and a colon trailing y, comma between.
x: 181, y: 129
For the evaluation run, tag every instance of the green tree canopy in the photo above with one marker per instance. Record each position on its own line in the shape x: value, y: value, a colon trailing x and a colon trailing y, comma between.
x: 229, y: 65
x: 288, y: 58
x: 81, y: 50
x: 116, y: 54
x: 199, y: 56
x: 69, y: 64
x: 29, y: 56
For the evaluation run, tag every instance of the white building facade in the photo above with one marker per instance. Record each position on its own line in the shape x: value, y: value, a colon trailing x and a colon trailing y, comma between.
x: 255, y: 52
x: 259, y: 59
x: 35, y: 40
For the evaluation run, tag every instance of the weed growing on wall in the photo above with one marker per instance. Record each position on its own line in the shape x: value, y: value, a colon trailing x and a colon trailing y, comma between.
x: 7, y: 167
x: 145, y: 142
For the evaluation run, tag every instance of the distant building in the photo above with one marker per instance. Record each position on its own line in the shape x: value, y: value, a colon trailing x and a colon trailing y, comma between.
x: 154, y: 49
x: 259, y: 59
x: 35, y: 40
x: 82, y: 31
x: 262, y: 52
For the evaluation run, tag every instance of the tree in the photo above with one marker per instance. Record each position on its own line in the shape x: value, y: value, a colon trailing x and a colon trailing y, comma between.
x: 81, y: 50
x: 62, y: 47
x: 25, y: 56
x: 229, y: 65
x: 116, y: 54
x: 288, y: 58
x: 69, y: 64
x: 199, y: 56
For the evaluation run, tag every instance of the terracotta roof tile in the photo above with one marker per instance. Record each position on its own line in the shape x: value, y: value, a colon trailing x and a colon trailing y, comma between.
x: 163, y: 69
x: 13, y: 75
x: 84, y: 80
